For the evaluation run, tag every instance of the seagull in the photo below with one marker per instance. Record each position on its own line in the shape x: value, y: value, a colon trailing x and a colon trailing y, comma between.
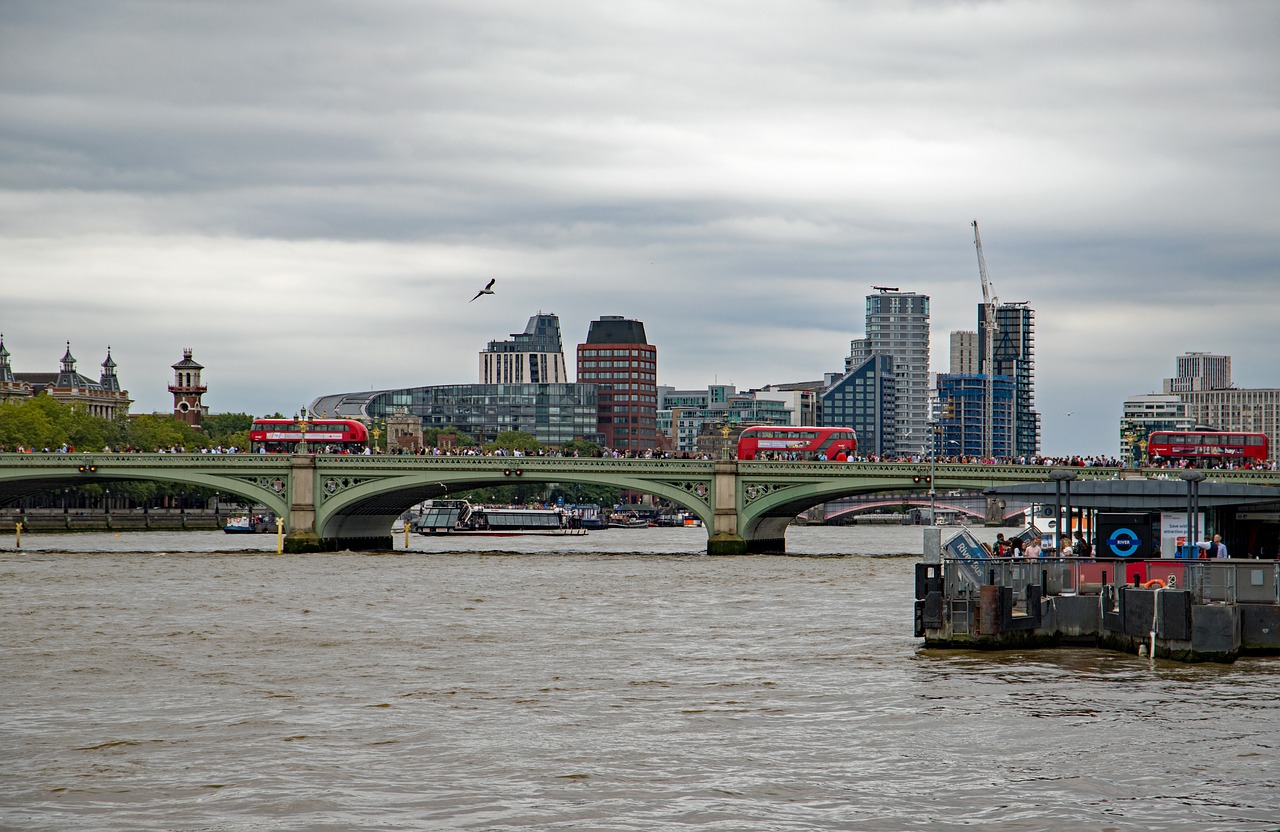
x: 487, y: 290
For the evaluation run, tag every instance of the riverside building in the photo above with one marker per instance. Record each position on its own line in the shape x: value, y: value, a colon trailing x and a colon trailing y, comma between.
x: 535, y: 356
x: 623, y: 366
x: 1201, y: 393
x: 103, y: 398
x: 865, y: 398
x: 897, y: 324
x: 553, y: 412
x: 1013, y: 356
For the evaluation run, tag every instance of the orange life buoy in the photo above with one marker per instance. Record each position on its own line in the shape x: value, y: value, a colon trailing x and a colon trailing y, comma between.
x: 1154, y: 582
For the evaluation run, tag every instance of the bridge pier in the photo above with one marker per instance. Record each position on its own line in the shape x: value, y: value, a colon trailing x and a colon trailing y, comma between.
x: 725, y: 538
x: 301, y: 535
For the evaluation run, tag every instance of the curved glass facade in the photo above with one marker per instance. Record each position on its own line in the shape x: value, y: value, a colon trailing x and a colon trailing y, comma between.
x: 553, y: 413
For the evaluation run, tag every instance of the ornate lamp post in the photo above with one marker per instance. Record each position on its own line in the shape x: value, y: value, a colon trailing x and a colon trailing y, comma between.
x: 302, y: 430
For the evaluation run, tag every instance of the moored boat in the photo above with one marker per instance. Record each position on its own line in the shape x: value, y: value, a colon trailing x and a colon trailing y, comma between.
x: 250, y: 524
x: 627, y: 520
x: 461, y: 517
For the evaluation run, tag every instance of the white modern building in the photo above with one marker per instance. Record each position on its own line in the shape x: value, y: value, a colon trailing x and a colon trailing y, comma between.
x: 898, y: 325
x: 535, y: 356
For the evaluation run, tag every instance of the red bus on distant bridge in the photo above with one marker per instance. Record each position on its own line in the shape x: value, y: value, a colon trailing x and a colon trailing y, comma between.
x: 281, y: 436
x: 1205, y: 446
x: 785, y: 442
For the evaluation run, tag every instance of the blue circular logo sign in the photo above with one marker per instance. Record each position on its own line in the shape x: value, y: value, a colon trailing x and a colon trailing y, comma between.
x: 1123, y: 542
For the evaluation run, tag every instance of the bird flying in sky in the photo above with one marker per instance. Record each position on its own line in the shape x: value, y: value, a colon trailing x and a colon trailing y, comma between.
x: 487, y: 290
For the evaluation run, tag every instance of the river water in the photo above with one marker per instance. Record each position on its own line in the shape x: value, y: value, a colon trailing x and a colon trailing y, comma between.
x: 618, y: 681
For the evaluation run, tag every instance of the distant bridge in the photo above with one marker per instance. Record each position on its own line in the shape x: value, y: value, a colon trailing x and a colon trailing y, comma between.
x: 350, y: 502
x: 970, y: 505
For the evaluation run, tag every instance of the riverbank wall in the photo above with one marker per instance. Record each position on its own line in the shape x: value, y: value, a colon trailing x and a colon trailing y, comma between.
x: 55, y: 520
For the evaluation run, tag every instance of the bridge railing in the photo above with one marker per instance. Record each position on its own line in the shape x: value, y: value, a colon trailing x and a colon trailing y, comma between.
x: 136, y: 460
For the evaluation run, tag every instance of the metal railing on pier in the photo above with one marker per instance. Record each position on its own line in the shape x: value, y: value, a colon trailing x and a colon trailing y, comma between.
x: 1208, y: 581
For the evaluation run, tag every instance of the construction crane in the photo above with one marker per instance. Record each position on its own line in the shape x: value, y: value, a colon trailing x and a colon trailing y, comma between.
x: 989, y: 305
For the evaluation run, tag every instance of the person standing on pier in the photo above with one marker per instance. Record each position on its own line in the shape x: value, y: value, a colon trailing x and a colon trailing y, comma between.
x: 1213, y: 548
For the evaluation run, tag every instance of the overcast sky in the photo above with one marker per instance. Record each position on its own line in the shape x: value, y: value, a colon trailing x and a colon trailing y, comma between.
x: 309, y: 193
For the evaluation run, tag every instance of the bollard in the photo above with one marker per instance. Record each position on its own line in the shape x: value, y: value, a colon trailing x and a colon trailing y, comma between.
x: 17, y: 530
x: 406, y: 534
x: 279, y: 535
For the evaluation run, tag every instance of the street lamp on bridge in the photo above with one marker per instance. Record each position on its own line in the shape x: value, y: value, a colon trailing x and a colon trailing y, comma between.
x: 302, y: 430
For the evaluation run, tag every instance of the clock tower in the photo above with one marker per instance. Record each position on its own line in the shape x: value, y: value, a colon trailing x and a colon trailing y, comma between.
x: 187, y: 390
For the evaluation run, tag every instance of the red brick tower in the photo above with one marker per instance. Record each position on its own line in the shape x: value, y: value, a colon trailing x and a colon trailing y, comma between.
x: 187, y: 390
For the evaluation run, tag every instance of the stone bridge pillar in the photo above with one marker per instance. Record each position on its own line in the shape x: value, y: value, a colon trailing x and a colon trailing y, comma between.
x: 726, y: 538
x: 301, y: 524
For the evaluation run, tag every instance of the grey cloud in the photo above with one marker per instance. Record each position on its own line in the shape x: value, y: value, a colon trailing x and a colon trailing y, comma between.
x: 736, y: 176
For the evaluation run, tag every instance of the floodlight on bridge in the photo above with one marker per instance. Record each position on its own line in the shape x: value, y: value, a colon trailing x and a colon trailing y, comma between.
x: 88, y: 468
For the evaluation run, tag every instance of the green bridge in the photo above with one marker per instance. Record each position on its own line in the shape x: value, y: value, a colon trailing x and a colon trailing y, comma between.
x: 332, y: 502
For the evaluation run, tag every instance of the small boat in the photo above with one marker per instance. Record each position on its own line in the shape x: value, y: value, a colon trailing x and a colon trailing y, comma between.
x: 627, y: 520
x: 439, y: 517
x: 588, y: 516
x: 250, y: 524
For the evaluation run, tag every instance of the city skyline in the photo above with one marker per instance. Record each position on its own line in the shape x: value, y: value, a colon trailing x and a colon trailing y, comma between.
x: 310, y: 197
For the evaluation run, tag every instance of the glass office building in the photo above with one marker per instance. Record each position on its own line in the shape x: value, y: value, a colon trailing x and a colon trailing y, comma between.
x: 554, y: 414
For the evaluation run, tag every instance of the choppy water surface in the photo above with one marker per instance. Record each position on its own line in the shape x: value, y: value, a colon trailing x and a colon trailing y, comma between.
x: 153, y: 683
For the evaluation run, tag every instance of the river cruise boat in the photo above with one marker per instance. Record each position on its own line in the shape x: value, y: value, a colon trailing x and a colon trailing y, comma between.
x: 439, y: 517
x: 250, y: 524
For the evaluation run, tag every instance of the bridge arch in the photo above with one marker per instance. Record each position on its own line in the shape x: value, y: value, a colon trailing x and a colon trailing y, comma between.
x: 355, y: 510
x: 768, y: 508
x: 262, y: 481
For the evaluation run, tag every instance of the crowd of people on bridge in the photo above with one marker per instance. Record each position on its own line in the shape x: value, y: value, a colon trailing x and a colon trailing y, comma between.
x: 1096, y: 461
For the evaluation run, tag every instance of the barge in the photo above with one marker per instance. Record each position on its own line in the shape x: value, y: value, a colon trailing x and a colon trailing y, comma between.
x: 1184, y: 610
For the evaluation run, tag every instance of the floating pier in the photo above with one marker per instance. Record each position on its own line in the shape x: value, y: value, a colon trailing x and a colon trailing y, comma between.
x: 1184, y: 610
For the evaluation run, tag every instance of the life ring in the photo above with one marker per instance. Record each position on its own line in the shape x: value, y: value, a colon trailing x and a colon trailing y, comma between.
x: 1154, y: 582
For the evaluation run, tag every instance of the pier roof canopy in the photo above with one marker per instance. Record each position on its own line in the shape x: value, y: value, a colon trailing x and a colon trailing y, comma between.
x: 1139, y: 494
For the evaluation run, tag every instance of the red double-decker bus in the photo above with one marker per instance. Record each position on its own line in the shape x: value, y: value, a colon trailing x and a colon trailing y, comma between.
x: 281, y: 436
x: 765, y: 441
x: 1205, y: 446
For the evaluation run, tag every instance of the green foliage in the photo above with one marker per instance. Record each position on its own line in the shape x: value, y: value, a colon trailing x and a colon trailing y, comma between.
x: 228, y: 429
x: 44, y: 422
x: 515, y: 440
x: 573, y: 493
x: 498, y: 495
x: 149, y: 433
x: 221, y: 426
x: 582, y: 447
x: 502, y: 495
x: 431, y: 437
